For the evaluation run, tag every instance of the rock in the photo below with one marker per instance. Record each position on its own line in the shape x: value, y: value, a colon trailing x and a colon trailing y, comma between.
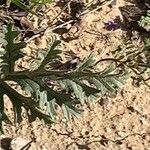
x: 18, y: 142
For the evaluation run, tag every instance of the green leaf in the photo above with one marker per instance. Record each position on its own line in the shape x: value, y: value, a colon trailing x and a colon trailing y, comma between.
x: 99, y: 86
x: 87, y: 62
x: 77, y: 90
x: 17, y: 111
x: 88, y: 90
x: 69, y: 89
x: 2, y: 39
x: 42, y: 98
x: 107, y: 85
x: 50, y: 109
x: 23, y: 6
x: 70, y: 111
x: 115, y: 81
x: 51, y: 55
x: 12, y: 51
x: 145, y: 21
x: 41, y: 1
x: 109, y: 69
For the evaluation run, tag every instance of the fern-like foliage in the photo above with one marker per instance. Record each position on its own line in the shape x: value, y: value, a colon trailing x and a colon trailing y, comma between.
x: 135, y: 59
x: 145, y: 21
x: 11, y: 52
x: 48, y: 88
x: 8, y: 56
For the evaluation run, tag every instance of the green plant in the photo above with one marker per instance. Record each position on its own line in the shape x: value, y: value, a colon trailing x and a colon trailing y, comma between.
x: 50, y: 89
x: 135, y: 59
x: 145, y: 21
x: 32, y: 4
x: 41, y: 1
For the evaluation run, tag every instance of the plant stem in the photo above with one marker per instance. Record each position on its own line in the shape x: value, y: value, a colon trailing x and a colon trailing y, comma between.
x: 60, y: 75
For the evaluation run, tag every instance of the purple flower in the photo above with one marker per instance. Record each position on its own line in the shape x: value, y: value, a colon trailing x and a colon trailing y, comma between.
x: 111, y: 26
